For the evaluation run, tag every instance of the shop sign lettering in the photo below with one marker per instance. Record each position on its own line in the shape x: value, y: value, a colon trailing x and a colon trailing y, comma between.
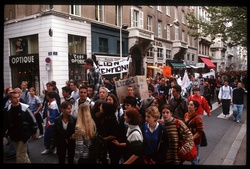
x: 27, y: 59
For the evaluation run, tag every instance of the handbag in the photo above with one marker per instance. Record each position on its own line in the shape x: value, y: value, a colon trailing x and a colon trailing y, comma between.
x: 186, y: 152
x: 203, y: 136
x: 203, y: 140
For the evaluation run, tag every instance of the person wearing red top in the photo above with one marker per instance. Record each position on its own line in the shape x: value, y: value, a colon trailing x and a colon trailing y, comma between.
x: 203, y: 104
x: 195, y: 125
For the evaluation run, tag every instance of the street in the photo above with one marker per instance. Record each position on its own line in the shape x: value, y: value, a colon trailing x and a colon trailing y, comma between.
x: 226, y: 142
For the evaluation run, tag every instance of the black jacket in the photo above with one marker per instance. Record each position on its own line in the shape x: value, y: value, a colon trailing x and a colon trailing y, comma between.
x: 60, y: 133
x: 19, y: 122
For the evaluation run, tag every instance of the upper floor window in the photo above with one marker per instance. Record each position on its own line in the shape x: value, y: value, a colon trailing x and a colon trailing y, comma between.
x: 188, y: 40
x: 136, y: 18
x: 183, y: 36
x: 103, y: 45
x: 168, y: 31
x: 176, y: 32
x: 77, y: 44
x: 168, y: 10
x: 149, y: 23
x: 193, y: 56
x: 118, y: 14
x: 150, y: 52
x: 168, y: 54
x: 176, y: 13
x: 183, y: 17
x: 159, y: 29
x: 99, y: 10
x: 188, y: 56
x: 75, y: 10
x: 159, y: 8
x: 159, y: 53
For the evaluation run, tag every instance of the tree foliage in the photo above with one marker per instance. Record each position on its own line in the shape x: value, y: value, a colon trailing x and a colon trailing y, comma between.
x: 229, y: 21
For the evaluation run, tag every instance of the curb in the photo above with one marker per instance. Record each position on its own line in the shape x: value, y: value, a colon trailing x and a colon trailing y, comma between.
x: 232, y: 153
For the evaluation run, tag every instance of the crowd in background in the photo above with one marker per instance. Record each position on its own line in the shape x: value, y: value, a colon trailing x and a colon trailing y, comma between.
x: 135, y: 130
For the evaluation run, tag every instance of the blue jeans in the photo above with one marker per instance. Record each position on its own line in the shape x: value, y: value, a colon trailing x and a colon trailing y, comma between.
x: 237, y: 111
x: 197, y: 158
x: 12, y: 149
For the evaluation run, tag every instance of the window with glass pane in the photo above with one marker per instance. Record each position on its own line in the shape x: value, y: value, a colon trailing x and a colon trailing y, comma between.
x: 168, y: 32
x: 135, y: 18
x: 75, y: 9
x: 159, y: 29
x: 168, y: 10
x: 168, y: 54
x: 149, y: 23
x: 188, y: 56
x: 150, y: 53
x: 176, y: 33
x: 99, y: 12
x: 103, y: 45
x: 118, y: 15
x: 24, y: 45
x: 159, y: 53
x: 77, y: 44
x: 193, y: 55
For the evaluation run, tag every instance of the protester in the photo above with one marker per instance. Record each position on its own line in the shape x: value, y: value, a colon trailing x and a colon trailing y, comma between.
x: 155, y: 138
x: 195, y: 125
x: 134, y: 144
x: 20, y: 124
x: 83, y: 99
x: 238, y: 101
x: 52, y: 113
x: 225, y: 97
x: 85, y: 130
x: 94, y: 76
x: 25, y: 91
x: 64, y: 129
x: 178, y: 102
x: 170, y: 123
x: 35, y: 106
x: 203, y: 104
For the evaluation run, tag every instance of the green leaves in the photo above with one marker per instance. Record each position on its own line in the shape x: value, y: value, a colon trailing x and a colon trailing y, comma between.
x: 230, y: 21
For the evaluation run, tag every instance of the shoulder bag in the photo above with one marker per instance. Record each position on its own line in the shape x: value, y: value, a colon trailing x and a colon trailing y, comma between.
x: 185, y: 154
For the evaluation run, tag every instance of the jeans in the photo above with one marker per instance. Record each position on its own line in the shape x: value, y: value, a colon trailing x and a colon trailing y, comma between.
x: 237, y: 111
x: 197, y: 158
x: 12, y: 149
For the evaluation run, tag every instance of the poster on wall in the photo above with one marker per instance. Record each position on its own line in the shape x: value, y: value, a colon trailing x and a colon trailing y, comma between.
x: 139, y: 84
x: 21, y: 45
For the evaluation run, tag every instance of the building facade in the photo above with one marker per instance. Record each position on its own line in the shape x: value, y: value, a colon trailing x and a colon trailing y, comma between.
x: 55, y: 40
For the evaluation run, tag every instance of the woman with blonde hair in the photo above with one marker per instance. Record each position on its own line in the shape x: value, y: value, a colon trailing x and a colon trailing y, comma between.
x: 85, y: 130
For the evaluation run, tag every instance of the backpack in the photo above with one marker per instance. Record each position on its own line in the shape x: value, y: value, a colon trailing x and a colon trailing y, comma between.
x: 98, y: 148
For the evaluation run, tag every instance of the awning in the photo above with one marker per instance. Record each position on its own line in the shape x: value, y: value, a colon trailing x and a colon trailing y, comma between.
x: 208, y: 62
x: 178, y: 65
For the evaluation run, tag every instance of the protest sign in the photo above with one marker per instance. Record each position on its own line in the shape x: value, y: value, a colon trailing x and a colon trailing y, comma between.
x: 139, y: 84
x: 114, y: 67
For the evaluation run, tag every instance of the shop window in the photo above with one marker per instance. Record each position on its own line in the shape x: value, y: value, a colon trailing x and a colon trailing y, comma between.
x: 24, y: 61
x: 24, y: 45
x: 76, y: 57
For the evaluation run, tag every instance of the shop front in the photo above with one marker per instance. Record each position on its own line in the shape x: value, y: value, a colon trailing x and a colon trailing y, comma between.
x: 24, y: 61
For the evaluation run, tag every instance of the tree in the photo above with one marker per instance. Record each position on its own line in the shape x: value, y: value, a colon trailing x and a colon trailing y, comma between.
x: 230, y: 21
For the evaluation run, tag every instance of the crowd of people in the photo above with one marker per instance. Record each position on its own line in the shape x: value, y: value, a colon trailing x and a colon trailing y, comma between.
x: 136, y: 131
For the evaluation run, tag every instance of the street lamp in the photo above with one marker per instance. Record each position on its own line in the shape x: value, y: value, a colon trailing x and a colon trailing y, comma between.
x: 124, y: 26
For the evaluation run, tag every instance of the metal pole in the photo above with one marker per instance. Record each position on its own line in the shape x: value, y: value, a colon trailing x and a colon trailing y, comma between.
x: 121, y: 47
x: 121, y: 41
